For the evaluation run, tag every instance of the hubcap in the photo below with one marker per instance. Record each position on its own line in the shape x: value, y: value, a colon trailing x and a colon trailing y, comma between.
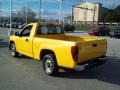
x: 48, y: 65
x: 13, y: 50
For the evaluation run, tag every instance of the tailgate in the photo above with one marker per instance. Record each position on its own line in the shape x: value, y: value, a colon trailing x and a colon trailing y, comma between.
x: 89, y: 50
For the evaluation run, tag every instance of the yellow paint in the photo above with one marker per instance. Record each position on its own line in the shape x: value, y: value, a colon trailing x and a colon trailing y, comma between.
x: 61, y: 45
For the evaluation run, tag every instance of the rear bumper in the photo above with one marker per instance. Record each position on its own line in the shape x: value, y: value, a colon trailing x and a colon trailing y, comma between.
x: 91, y: 64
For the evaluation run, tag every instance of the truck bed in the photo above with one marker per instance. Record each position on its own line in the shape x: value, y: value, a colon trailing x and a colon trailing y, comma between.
x: 69, y: 38
x: 88, y: 47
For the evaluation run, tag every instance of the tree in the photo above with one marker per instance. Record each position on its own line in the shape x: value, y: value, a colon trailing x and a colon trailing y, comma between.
x: 117, y: 9
x: 21, y: 15
x: 112, y: 15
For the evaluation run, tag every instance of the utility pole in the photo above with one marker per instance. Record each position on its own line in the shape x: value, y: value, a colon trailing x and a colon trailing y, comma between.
x: 26, y: 6
x: 26, y: 12
x: 10, y: 31
x: 60, y: 8
x: 10, y: 15
x: 94, y: 14
x: 40, y: 10
x: 72, y: 17
x: 0, y: 9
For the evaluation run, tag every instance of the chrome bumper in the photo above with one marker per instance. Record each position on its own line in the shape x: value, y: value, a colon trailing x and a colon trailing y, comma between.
x: 91, y: 64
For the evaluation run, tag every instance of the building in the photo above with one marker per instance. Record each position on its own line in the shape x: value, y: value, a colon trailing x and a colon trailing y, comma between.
x: 88, y: 13
x: 68, y: 20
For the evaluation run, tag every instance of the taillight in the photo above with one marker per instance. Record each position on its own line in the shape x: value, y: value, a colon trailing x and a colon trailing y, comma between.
x: 74, y: 51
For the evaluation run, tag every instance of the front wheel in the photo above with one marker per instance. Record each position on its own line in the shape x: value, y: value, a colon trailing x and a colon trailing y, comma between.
x: 14, y: 53
x: 50, y: 65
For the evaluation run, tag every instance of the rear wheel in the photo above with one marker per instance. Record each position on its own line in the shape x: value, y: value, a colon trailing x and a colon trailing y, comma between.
x: 14, y: 53
x: 50, y: 65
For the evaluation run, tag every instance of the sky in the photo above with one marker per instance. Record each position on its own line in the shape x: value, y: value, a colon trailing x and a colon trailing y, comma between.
x: 50, y: 8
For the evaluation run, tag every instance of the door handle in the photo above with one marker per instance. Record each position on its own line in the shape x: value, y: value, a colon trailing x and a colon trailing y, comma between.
x: 27, y: 40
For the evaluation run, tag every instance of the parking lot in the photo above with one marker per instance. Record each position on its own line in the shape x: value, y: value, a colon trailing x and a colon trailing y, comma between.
x: 24, y: 73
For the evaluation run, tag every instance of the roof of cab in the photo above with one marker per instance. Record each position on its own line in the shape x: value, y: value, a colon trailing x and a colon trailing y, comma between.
x: 46, y: 23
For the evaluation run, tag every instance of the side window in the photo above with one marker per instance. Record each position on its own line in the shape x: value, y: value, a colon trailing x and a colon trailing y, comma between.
x: 49, y: 30
x: 26, y: 31
x: 54, y: 30
x: 42, y: 30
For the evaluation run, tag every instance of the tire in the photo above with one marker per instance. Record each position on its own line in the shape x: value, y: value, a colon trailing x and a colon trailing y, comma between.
x: 14, y: 53
x: 50, y: 66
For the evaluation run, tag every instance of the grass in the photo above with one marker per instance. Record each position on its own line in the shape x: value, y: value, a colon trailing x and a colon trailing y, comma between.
x: 84, y: 27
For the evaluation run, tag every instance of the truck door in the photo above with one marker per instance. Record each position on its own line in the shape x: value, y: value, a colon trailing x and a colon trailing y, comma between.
x: 25, y: 41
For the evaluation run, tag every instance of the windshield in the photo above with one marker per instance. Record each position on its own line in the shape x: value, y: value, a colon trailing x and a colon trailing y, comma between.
x: 49, y: 29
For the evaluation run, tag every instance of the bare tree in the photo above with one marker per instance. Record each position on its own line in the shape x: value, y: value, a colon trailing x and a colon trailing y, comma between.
x: 22, y: 15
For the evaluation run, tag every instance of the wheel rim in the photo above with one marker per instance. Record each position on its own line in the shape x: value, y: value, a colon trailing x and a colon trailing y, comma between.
x: 12, y: 50
x: 49, y: 65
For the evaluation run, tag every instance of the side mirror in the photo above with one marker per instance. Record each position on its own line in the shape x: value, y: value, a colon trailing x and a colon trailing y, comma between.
x: 17, y: 34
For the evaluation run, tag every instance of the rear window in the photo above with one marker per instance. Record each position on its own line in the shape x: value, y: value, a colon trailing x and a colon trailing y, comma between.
x: 49, y: 29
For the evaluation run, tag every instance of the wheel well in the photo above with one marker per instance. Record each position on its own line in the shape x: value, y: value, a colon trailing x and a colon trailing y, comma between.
x: 11, y: 42
x: 44, y: 52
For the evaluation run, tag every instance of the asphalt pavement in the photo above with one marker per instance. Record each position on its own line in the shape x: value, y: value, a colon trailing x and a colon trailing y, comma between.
x: 24, y: 73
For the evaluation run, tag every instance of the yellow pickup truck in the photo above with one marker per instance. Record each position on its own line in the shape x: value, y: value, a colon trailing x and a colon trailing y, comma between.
x: 48, y: 42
